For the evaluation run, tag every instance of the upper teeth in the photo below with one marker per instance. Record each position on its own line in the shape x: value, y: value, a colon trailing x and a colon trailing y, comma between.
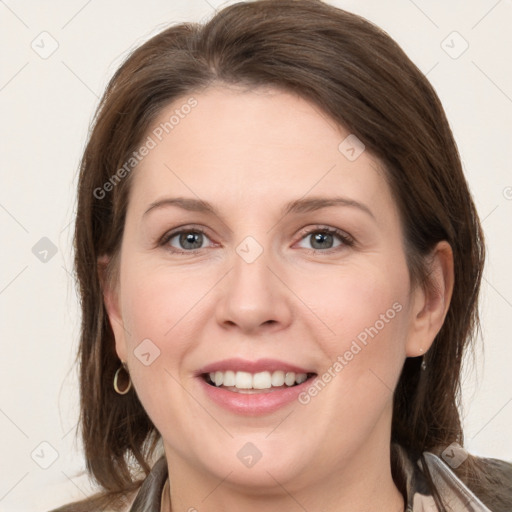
x: 262, y: 380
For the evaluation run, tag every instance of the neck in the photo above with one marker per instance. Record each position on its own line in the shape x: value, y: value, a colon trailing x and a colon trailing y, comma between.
x: 363, y: 483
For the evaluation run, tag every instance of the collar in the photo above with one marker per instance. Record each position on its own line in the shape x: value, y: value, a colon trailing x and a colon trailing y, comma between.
x: 148, y: 498
x: 418, y: 498
x: 455, y: 495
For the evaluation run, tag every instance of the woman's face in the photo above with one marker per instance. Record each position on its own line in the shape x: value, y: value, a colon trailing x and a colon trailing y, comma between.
x: 260, y: 242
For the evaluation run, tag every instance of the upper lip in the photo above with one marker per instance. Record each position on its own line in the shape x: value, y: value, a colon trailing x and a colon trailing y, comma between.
x: 244, y: 365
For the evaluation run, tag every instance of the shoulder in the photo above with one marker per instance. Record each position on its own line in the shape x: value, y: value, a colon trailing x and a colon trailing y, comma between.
x: 492, y: 481
x: 102, y: 501
x: 450, y: 488
x: 481, y: 485
x: 478, y: 485
x: 146, y: 496
x: 498, y: 469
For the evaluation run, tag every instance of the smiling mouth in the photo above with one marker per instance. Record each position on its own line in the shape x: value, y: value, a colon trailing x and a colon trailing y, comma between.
x: 261, y: 382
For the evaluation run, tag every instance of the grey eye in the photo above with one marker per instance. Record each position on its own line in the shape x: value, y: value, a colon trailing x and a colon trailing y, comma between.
x: 188, y: 240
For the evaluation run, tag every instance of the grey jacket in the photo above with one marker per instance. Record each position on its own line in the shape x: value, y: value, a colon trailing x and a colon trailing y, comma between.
x: 456, y: 496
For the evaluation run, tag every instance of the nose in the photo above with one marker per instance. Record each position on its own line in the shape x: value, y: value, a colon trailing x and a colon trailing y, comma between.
x: 254, y: 297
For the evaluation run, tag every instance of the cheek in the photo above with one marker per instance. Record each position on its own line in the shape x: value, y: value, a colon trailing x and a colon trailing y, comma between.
x: 359, y: 310
x: 361, y: 304
x: 164, y: 312
x: 159, y: 314
x: 158, y: 301
x: 367, y: 310
x: 150, y: 306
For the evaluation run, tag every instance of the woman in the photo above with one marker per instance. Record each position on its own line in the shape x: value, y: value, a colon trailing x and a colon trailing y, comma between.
x: 279, y: 261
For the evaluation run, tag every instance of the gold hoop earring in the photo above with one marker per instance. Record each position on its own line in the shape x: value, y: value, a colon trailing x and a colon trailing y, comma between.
x: 116, y: 381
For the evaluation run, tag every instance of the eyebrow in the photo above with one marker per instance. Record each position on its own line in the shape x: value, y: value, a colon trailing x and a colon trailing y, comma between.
x: 303, y: 205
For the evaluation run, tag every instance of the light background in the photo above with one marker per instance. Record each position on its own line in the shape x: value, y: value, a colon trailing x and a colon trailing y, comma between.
x: 47, y: 104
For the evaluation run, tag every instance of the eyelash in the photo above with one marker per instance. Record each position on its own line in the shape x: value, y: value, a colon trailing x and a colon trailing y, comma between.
x: 345, y: 238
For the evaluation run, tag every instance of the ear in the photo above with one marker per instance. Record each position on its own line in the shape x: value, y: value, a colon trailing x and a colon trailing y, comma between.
x: 432, y: 301
x: 110, y: 291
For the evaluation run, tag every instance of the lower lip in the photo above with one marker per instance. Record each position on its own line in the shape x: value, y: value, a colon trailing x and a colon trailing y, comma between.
x: 252, y: 404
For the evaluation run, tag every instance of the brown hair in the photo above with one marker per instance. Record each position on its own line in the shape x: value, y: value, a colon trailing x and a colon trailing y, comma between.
x: 362, y: 79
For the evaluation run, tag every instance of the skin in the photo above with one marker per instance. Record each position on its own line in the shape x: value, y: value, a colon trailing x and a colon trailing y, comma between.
x: 249, y: 153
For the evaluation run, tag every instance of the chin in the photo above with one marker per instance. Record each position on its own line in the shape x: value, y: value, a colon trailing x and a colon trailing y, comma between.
x: 259, y: 465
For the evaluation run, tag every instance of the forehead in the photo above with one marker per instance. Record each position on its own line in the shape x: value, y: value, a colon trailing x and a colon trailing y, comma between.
x: 252, y: 146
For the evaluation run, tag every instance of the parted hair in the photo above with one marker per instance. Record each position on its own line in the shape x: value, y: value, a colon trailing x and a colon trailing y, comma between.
x: 360, y: 77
